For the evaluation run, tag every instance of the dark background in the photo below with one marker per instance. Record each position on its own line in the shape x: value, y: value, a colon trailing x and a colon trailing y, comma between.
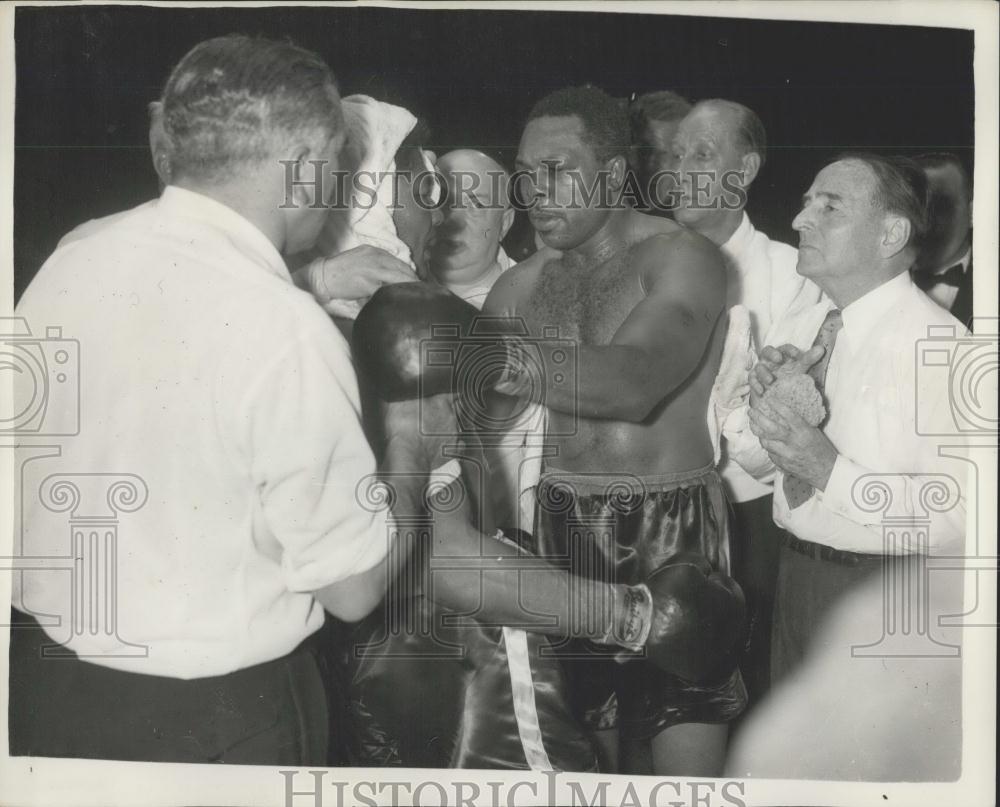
x: 85, y: 75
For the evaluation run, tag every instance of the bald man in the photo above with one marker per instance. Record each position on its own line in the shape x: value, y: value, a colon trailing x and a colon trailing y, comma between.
x: 719, y: 149
x: 463, y: 251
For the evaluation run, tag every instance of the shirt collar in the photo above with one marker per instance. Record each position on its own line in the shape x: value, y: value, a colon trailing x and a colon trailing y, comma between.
x: 243, y: 234
x: 866, y: 313
x: 739, y: 241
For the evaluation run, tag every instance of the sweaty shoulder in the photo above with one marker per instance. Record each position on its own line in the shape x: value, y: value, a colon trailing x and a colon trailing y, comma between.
x: 515, y: 285
x: 681, y: 254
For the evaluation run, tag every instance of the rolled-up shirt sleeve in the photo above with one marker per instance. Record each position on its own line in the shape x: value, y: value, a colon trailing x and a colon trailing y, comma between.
x: 311, y: 463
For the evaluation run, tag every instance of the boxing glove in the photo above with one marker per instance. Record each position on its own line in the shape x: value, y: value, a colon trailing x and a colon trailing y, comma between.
x: 688, y: 619
x: 406, y: 340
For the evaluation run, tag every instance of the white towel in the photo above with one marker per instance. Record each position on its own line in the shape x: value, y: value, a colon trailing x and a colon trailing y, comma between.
x: 375, y: 131
x: 738, y: 358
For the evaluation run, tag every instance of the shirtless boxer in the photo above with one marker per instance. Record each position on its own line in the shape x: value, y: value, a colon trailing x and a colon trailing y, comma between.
x: 500, y: 702
x: 643, y: 298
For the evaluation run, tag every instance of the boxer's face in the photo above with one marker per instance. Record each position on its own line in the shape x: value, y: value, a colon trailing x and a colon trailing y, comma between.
x: 709, y: 164
x: 839, y: 225
x: 563, y: 172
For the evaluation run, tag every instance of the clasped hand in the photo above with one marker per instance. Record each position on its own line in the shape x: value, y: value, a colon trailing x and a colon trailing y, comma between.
x: 792, y: 444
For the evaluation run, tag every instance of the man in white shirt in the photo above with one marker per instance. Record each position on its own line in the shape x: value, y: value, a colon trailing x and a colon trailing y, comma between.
x: 228, y: 400
x: 858, y: 227
x: 218, y: 417
x: 719, y: 149
x: 944, y: 267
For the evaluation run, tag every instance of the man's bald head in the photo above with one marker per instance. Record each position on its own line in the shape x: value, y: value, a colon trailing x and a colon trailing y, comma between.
x: 474, y: 163
x: 474, y: 218
x: 719, y: 149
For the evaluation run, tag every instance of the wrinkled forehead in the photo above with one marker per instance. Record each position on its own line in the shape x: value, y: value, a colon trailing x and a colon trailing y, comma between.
x: 850, y: 180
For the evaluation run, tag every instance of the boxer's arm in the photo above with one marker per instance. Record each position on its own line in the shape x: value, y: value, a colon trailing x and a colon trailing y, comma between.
x: 661, y: 342
x: 494, y: 582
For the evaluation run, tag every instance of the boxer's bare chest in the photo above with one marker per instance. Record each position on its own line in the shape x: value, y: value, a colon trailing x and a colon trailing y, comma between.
x: 585, y: 301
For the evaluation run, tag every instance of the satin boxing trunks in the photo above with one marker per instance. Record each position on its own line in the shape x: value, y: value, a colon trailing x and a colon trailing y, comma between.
x: 620, y: 528
x: 429, y: 688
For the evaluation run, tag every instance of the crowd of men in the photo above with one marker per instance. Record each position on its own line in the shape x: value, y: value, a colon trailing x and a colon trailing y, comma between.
x: 655, y: 454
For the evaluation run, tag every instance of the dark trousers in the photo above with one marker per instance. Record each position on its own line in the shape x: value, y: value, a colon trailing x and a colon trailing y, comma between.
x: 812, y: 579
x: 754, y: 543
x: 269, y: 714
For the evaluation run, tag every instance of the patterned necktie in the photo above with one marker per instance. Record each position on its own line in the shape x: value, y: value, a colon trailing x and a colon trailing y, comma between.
x: 798, y: 491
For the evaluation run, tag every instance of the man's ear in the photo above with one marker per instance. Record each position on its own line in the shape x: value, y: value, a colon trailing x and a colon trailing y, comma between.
x: 506, y: 222
x: 895, y: 236
x: 159, y: 143
x: 751, y: 165
x: 307, y: 176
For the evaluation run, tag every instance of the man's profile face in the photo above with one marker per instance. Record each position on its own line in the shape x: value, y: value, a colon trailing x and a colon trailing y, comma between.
x: 565, y: 171
x: 839, y: 225
x: 466, y: 240
x: 704, y: 151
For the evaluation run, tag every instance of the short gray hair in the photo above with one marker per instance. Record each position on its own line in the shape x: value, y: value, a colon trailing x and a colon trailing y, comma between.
x: 234, y: 100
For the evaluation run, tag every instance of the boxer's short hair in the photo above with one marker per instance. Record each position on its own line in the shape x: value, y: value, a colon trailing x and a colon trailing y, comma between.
x: 605, y: 121
x: 235, y: 99
x: 901, y: 188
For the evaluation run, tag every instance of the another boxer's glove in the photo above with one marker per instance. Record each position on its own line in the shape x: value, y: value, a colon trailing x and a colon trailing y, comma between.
x: 688, y: 619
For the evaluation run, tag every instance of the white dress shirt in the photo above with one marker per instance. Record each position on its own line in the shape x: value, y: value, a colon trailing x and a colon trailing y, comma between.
x: 763, y: 278
x: 888, y: 407
x: 944, y: 294
x: 230, y: 394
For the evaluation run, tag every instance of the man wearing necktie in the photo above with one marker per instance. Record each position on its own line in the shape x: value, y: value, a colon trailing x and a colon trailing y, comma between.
x: 859, y: 223
x: 943, y: 268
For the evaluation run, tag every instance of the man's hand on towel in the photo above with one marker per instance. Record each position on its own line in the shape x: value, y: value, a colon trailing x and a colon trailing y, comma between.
x: 353, y: 275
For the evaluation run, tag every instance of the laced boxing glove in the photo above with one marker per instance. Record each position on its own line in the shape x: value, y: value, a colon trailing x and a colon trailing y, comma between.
x: 687, y: 618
